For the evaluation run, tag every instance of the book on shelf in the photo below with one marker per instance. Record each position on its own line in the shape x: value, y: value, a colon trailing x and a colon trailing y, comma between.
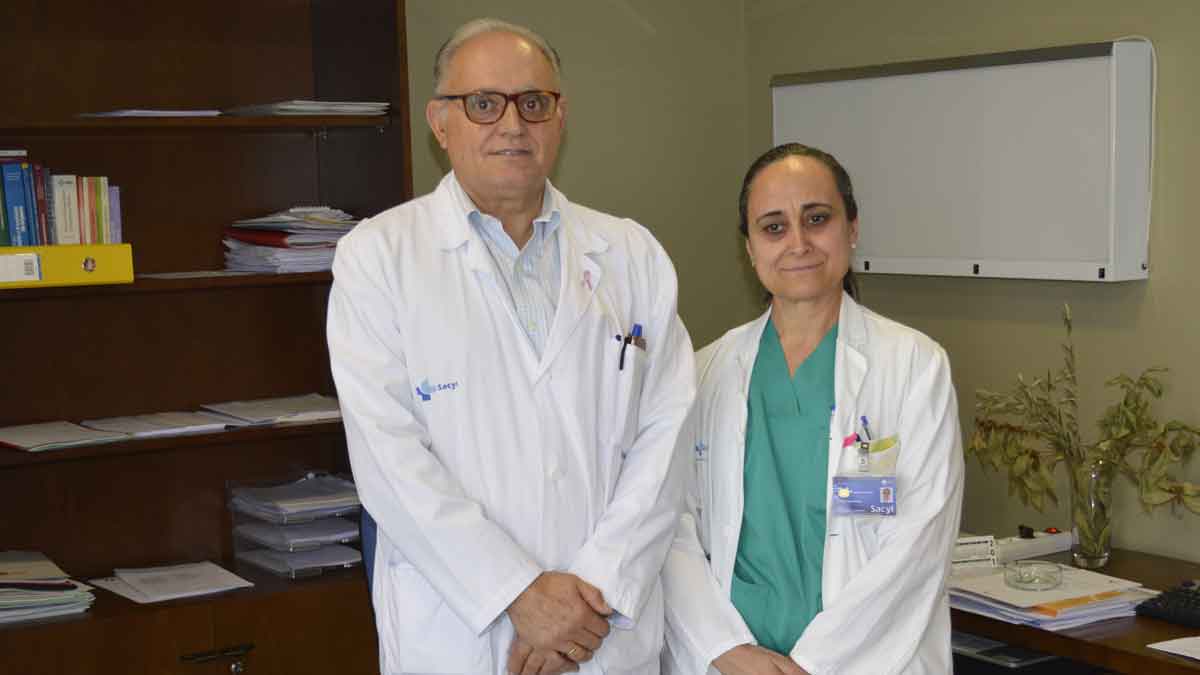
x: 31, y: 208
x: 15, y: 207
x: 114, y: 215
x: 66, y: 208
x: 79, y: 265
x: 39, y: 198
x: 53, y: 436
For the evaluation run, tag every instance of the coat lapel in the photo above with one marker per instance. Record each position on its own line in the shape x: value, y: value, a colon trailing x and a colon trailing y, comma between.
x: 581, y: 276
x: 850, y: 370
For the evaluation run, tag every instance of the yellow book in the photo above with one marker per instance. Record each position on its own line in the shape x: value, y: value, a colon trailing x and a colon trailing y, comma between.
x: 67, y: 265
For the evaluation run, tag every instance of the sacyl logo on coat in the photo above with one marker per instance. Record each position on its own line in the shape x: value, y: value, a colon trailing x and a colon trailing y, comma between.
x: 426, y: 390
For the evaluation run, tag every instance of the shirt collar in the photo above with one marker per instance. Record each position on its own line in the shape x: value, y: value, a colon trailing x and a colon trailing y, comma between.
x: 544, y: 225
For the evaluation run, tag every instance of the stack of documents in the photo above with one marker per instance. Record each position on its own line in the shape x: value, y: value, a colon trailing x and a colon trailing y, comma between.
x: 156, y: 584
x: 162, y: 424
x: 305, y: 408
x: 53, y: 436
x: 301, y: 239
x: 314, y: 496
x: 1084, y: 597
x: 303, y: 107
x: 33, y: 587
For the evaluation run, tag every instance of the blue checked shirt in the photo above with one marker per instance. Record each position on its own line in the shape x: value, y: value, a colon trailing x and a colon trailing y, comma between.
x: 532, y: 274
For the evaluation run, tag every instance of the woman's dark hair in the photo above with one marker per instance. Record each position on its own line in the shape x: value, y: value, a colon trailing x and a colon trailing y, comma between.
x: 840, y: 177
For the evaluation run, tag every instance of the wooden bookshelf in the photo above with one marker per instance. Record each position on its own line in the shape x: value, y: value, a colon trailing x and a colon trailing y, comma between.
x: 162, y: 344
x: 224, y: 123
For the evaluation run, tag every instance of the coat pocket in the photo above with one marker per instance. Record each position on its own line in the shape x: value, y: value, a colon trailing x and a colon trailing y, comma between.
x: 421, y: 634
x: 624, y: 393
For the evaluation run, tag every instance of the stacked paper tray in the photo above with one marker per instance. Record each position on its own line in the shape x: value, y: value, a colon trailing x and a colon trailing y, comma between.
x: 293, y: 529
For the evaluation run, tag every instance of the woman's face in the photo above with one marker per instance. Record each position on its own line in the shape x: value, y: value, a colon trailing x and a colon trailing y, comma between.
x: 798, y: 239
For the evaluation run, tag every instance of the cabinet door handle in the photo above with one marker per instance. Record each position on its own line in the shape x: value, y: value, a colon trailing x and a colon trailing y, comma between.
x: 235, y: 652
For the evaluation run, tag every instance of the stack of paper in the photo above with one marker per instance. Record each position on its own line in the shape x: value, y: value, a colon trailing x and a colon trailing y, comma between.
x: 303, y: 107
x: 33, y: 587
x: 162, y: 424
x: 314, y: 496
x: 305, y: 408
x: 53, y: 436
x: 301, y: 239
x: 1084, y: 597
x: 156, y: 584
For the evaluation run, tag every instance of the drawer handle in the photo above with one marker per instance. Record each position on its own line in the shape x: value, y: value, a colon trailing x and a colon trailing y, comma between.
x: 236, y: 651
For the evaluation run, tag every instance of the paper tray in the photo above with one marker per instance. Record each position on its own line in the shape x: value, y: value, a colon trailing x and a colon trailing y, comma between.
x: 297, y: 537
x: 301, y: 563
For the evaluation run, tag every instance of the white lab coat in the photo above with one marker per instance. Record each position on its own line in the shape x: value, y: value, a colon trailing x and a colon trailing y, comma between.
x: 883, y: 579
x: 504, y: 464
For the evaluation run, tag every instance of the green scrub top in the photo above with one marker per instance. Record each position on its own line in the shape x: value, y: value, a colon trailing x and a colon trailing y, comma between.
x: 777, y: 574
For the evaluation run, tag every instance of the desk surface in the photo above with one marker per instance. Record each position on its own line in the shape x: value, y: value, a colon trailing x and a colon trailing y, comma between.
x: 1117, y: 644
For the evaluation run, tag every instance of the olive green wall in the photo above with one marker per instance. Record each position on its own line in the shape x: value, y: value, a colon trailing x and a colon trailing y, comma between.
x: 656, y: 124
x: 670, y: 101
x: 994, y: 329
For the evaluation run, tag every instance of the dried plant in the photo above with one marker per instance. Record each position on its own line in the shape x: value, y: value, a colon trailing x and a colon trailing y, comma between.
x: 1033, y: 428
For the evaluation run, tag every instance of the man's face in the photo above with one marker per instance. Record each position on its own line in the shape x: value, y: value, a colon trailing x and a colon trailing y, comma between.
x: 510, y: 159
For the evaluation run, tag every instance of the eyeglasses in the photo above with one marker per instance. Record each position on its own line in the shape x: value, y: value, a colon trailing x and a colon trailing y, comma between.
x: 487, y: 107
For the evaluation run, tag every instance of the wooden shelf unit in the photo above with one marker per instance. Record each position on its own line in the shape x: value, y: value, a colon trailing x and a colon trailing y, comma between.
x: 174, y: 344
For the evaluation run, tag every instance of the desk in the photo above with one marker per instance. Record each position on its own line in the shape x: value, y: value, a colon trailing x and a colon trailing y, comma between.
x: 1116, y: 644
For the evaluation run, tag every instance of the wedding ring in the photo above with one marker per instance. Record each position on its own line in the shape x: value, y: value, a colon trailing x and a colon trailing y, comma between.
x: 572, y: 650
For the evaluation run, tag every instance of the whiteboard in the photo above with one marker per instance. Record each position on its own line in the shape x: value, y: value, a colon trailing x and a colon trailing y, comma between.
x: 1021, y: 165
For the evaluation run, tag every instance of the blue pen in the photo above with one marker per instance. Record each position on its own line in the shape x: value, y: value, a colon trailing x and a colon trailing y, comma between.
x: 866, y: 427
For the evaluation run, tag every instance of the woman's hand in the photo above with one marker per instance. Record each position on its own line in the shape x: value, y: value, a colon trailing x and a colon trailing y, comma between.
x: 754, y: 660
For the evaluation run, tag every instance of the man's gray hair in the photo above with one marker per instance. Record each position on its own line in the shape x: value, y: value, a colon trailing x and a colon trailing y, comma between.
x: 487, y: 25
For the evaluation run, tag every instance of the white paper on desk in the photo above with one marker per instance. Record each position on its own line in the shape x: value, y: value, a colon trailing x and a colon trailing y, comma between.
x: 1188, y: 646
x: 155, y: 584
x: 1076, y: 583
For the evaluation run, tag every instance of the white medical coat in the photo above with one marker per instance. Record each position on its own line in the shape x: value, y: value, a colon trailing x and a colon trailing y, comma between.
x: 485, y: 465
x: 883, y: 578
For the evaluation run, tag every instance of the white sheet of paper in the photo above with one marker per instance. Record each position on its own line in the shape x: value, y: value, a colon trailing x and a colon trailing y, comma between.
x: 1187, y: 646
x: 155, y: 584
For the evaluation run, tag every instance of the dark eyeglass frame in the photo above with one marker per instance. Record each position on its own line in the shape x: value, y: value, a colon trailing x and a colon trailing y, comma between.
x: 508, y: 98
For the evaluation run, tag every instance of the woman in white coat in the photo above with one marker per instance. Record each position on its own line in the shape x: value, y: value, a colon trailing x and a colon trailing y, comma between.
x: 827, y: 482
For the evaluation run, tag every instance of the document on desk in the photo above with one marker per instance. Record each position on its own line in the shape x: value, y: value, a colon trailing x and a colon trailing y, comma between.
x: 1084, y: 597
x: 156, y: 584
x: 1188, y: 646
x: 1076, y: 583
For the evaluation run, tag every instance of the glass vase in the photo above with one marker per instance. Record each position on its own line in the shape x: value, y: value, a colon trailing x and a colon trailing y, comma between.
x: 1091, y: 512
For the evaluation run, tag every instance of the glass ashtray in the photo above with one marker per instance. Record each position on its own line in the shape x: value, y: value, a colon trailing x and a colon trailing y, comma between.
x: 1033, y: 575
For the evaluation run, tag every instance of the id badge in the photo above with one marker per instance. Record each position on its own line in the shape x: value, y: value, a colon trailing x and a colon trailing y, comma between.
x: 863, y: 495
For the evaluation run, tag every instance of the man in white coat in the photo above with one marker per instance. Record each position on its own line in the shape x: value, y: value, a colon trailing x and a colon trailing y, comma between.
x: 512, y: 375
